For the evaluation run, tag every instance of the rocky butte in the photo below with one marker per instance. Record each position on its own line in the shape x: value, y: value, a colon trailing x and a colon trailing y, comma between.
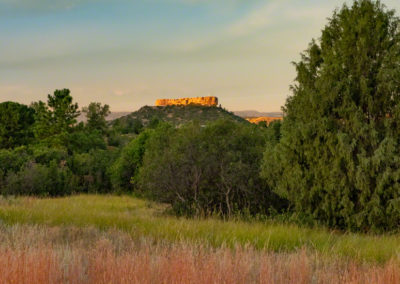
x: 203, y: 101
x: 268, y: 120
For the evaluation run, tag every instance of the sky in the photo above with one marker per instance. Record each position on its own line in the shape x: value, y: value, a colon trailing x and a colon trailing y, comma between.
x: 128, y: 53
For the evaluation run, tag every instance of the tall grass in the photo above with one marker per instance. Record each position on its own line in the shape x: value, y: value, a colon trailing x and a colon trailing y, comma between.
x: 38, y: 254
x: 141, y: 219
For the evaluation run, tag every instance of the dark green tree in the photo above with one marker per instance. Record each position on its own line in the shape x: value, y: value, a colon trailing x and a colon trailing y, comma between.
x: 43, y: 124
x: 96, y: 115
x: 58, y: 117
x: 338, y: 160
x: 124, y: 170
x: 16, y: 122
x: 63, y: 111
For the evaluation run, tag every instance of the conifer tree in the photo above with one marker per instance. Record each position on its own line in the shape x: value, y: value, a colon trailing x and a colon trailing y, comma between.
x: 338, y: 160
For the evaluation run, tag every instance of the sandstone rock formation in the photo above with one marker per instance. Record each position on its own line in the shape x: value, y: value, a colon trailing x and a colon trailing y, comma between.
x: 268, y: 120
x: 203, y: 101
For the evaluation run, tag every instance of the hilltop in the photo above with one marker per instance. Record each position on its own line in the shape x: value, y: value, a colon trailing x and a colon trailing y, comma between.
x: 178, y: 115
x: 203, y: 101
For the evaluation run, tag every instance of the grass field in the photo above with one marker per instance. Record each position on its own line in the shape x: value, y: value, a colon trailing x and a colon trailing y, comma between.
x: 141, y: 219
x: 42, y: 254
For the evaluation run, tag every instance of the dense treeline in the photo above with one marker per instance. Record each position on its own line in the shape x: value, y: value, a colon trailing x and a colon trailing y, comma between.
x: 198, y: 168
x: 334, y: 160
x: 44, y: 151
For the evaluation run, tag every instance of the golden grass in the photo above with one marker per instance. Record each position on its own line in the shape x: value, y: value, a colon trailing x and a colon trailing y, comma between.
x: 38, y: 254
x: 141, y: 219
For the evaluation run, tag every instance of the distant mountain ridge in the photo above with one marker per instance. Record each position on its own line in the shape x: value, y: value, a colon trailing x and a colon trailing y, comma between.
x: 255, y: 113
x: 243, y: 114
x: 113, y: 115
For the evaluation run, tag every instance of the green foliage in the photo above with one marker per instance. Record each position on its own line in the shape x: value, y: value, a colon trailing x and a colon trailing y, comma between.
x: 15, y: 124
x: 59, y: 156
x: 44, y: 155
x: 91, y: 170
x: 125, y: 168
x: 207, y: 170
x: 13, y: 160
x: 63, y: 111
x: 96, y: 116
x: 54, y: 120
x: 338, y: 159
x: 37, y: 179
x: 175, y: 115
x: 82, y: 141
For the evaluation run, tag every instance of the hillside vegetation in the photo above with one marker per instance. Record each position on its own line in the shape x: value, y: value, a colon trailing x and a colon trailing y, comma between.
x: 177, y: 115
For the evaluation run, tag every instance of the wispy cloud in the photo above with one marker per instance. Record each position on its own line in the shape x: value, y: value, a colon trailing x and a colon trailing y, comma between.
x: 255, y: 20
x: 59, y: 5
x: 278, y: 12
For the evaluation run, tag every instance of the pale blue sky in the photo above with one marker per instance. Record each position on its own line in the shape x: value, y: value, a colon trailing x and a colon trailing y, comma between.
x: 129, y: 53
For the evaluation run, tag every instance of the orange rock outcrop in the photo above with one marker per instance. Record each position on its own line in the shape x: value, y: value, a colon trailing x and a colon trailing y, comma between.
x: 267, y: 119
x: 203, y: 101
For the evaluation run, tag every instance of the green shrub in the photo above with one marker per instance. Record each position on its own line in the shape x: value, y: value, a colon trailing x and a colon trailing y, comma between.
x: 91, y: 170
x: 207, y: 170
x: 128, y: 163
x: 16, y: 122
x: 37, y: 179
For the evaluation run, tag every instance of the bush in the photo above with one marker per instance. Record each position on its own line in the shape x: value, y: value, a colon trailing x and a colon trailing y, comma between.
x: 207, y: 170
x: 37, y: 179
x: 16, y: 122
x: 44, y: 155
x: 85, y: 140
x: 91, y: 170
x: 130, y: 160
x: 13, y: 160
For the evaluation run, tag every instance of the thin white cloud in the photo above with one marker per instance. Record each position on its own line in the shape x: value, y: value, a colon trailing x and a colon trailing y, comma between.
x: 255, y: 20
x: 59, y: 5
x: 280, y: 12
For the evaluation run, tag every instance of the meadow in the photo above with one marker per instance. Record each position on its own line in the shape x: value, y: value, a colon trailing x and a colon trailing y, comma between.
x: 122, y: 239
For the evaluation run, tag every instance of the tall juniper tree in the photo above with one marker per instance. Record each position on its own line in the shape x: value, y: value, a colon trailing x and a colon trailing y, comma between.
x: 338, y: 160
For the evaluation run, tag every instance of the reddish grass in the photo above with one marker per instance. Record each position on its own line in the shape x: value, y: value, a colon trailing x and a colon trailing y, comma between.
x: 60, y: 256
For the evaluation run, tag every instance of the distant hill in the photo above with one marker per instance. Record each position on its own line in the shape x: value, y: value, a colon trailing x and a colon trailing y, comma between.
x: 243, y: 114
x: 178, y: 115
x: 254, y: 113
x: 113, y: 115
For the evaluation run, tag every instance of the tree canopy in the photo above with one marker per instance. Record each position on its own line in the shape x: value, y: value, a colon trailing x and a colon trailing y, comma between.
x: 338, y: 160
x: 16, y: 122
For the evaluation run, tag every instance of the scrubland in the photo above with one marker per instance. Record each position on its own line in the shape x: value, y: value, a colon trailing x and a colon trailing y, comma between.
x: 121, y: 239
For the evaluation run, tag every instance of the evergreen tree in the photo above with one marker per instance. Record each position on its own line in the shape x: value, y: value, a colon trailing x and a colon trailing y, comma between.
x: 63, y: 111
x: 338, y: 160
x: 56, y: 119
x: 96, y: 116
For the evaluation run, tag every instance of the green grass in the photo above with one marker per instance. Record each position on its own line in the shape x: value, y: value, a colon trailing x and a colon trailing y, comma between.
x: 143, y: 219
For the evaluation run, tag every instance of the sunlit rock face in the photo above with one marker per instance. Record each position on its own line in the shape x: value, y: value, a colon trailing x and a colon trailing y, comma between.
x: 203, y: 101
x: 268, y: 120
